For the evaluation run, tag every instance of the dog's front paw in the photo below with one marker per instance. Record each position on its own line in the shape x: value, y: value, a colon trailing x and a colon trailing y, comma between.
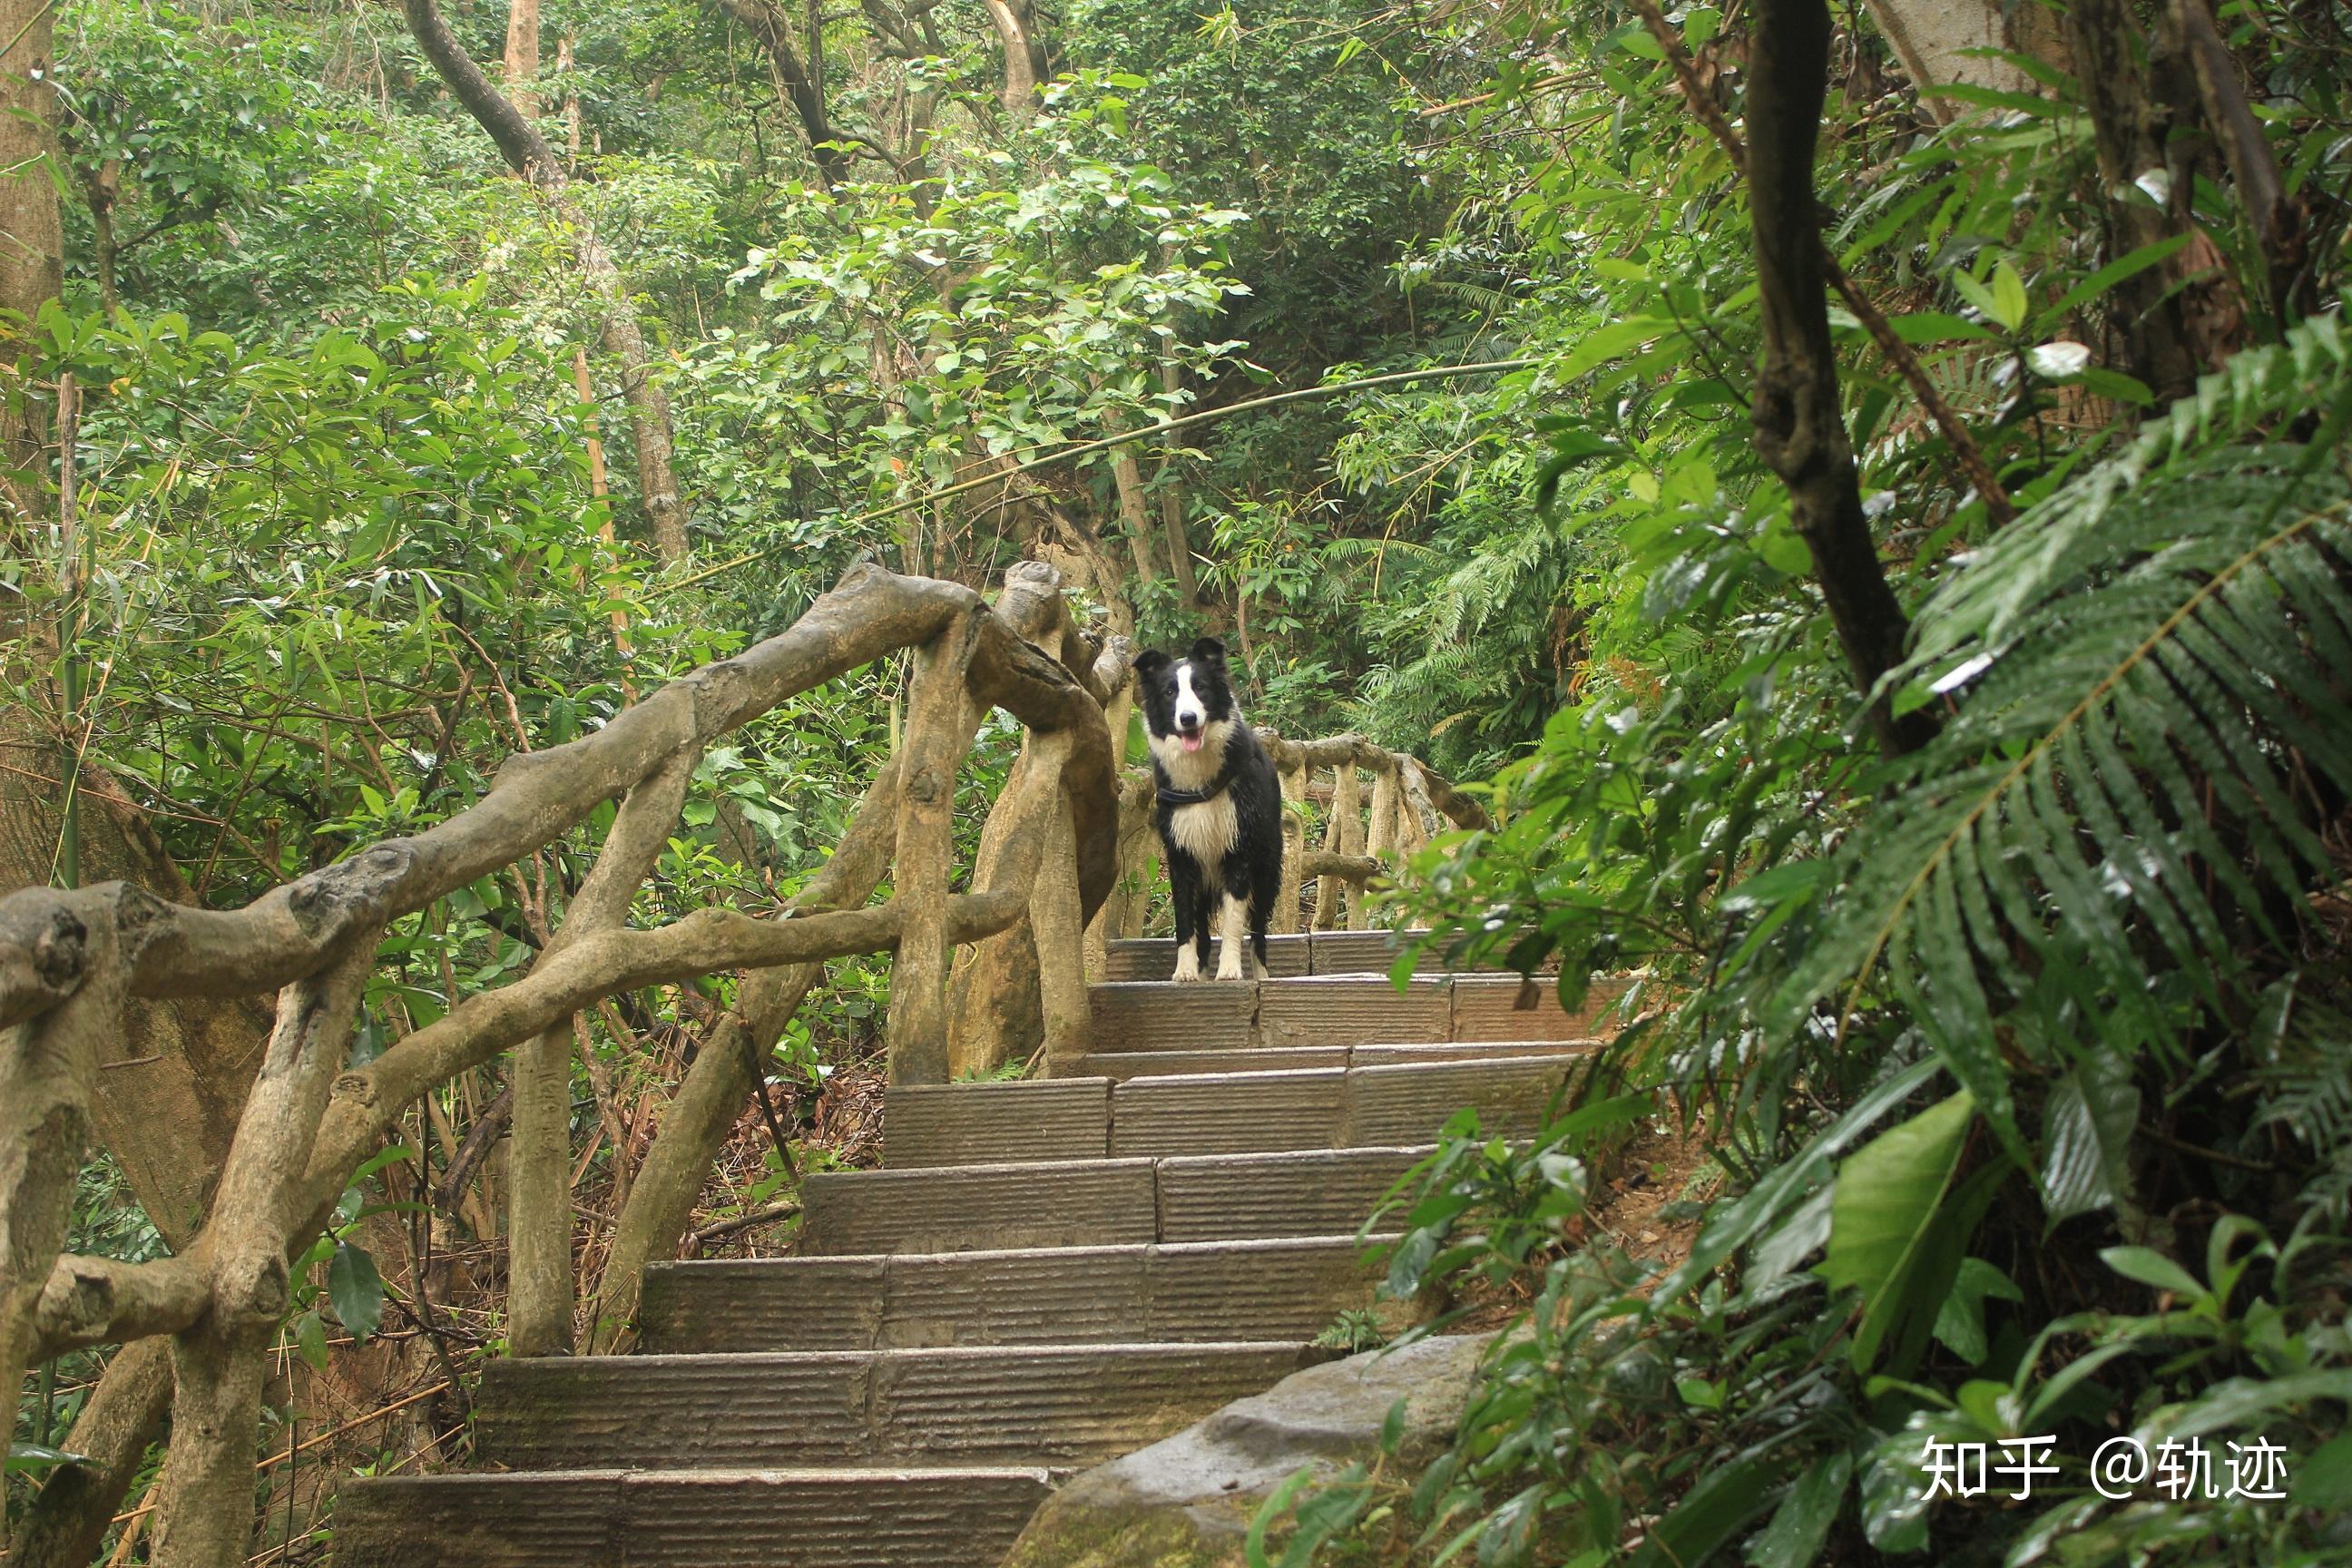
x: 1188, y: 964
x: 1229, y: 962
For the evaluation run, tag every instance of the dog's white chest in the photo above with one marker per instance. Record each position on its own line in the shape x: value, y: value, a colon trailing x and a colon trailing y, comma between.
x: 1207, y: 832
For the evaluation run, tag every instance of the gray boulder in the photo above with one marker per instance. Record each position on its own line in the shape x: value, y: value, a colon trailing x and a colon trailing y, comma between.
x: 1187, y: 1500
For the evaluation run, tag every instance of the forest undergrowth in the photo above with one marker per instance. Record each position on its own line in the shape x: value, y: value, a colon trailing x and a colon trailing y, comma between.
x: 1891, y: 577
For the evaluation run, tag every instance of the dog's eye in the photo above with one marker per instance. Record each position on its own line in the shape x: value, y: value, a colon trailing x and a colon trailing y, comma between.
x: 1171, y: 689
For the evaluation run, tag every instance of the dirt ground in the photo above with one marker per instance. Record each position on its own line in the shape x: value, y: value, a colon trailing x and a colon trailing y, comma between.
x: 1658, y: 1169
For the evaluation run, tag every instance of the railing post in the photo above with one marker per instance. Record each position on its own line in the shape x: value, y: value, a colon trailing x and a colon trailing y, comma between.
x: 538, y: 1198
x: 1106, y: 922
x: 1416, y: 816
x: 539, y: 1292
x: 1138, y: 838
x: 1053, y: 920
x: 1293, y: 844
x: 1335, y: 839
x: 1351, y: 838
x: 939, y: 723
x: 1383, y: 845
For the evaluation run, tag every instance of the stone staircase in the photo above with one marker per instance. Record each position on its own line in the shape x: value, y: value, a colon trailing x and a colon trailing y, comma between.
x: 1047, y: 1274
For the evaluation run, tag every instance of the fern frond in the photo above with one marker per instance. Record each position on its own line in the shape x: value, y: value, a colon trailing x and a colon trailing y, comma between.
x: 2153, y: 666
x: 2308, y: 1095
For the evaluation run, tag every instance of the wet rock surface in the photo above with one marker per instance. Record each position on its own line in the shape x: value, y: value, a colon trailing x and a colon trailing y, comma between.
x: 1187, y: 1500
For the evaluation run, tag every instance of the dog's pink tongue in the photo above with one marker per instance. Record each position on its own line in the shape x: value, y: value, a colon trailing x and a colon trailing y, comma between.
x: 1192, y: 742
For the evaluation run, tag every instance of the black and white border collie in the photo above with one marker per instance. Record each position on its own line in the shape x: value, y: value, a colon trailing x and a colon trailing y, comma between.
x: 1220, y: 808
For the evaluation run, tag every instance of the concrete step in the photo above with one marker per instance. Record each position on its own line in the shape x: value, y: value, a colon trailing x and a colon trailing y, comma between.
x: 932, y: 1125
x: 1304, y: 952
x: 1120, y: 1066
x: 1078, y: 1202
x: 1184, y: 1293
x: 1335, y: 1010
x: 849, y: 1518
x: 1024, y: 1405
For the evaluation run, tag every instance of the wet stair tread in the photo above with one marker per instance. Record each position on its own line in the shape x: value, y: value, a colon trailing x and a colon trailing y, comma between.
x: 836, y: 1517
x: 1283, y: 1288
x: 1385, y: 1101
x: 1190, y: 1197
x: 1014, y: 1405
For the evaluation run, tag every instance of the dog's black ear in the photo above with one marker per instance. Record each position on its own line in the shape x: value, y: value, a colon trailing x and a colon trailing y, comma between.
x: 1208, y: 650
x: 1151, y: 662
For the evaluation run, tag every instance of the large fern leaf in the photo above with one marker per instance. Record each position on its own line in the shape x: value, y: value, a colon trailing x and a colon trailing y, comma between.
x: 2150, y: 711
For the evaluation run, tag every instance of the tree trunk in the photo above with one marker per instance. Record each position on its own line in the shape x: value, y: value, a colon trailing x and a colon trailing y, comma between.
x: 1932, y: 38
x: 1134, y: 510
x: 2280, y: 221
x: 571, y: 116
x: 528, y: 153
x: 800, y: 81
x: 522, y: 56
x: 1800, y: 425
x: 1024, y: 55
x: 1171, y: 494
x: 32, y: 258
x: 2131, y: 130
x: 101, y: 189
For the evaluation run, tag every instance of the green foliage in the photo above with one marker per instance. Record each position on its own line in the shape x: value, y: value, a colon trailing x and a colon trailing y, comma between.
x: 2099, y: 916
x: 2027, y: 1056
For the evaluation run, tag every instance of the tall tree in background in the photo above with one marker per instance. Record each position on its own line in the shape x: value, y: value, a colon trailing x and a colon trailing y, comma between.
x: 528, y: 153
x: 523, y: 57
x: 32, y: 239
x: 1025, y: 63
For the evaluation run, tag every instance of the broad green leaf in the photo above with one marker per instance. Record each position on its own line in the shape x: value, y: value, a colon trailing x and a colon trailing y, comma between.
x: 2153, y: 1268
x: 1894, y: 1491
x: 1731, y: 1226
x: 2236, y: 1403
x: 1938, y: 326
x: 2088, y: 1121
x: 356, y: 1289
x: 2323, y: 1478
x: 311, y: 1340
x: 1801, y: 1524
x: 1975, y: 293
x: 1960, y: 1322
x: 1887, y: 1194
x: 2113, y: 273
x: 2008, y: 297
x: 1711, y: 1513
x: 25, y: 1459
